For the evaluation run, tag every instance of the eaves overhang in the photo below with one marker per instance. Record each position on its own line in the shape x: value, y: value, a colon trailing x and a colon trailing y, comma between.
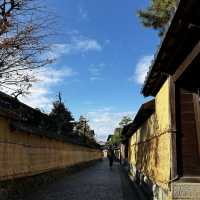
x: 182, y: 34
x: 145, y: 111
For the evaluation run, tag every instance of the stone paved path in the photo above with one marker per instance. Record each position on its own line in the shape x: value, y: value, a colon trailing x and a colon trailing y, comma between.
x: 94, y: 183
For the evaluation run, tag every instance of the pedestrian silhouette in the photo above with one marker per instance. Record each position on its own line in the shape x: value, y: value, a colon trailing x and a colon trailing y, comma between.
x: 111, y: 156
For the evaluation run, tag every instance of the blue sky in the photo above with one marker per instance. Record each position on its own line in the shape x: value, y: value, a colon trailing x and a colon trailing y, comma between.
x: 102, y: 54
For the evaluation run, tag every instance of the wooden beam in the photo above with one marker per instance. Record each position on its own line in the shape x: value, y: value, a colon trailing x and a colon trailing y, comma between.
x: 197, y: 118
x: 172, y: 111
x: 189, y: 59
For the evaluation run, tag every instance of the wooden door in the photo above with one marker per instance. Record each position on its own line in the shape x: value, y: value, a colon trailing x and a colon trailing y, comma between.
x: 188, y: 133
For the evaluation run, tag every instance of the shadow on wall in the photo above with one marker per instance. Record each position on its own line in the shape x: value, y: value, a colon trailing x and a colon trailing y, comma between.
x: 147, y: 155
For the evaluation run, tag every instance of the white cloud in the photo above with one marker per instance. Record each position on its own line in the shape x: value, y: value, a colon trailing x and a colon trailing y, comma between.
x: 51, y: 75
x: 104, y: 121
x: 95, y: 72
x: 40, y: 92
x: 141, y: 70
x: 77, y: 44
x: 56, y: 51
x: 38, y: 97
x: 83, y: 13
x: 85, y: 44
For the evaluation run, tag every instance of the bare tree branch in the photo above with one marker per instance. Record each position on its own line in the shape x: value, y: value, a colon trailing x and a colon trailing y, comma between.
x: 23, y: 42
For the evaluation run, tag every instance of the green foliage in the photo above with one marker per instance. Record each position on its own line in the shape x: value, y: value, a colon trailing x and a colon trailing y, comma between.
x: 116, y: 137
x: 125, y: 121
x: 158, y: 14
x: 83, y: 128
x: 61, y: 117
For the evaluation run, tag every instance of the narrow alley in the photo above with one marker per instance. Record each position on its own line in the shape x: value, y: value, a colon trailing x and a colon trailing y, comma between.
x: 97, y: 182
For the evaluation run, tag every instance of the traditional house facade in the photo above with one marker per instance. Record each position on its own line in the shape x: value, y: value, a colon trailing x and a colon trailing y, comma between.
x: 164, y: 147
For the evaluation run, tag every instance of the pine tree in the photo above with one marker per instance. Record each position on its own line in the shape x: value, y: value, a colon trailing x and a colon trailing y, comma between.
x: 158, y: 14
x: 62, y: 117
x: 82, y: 126
x: 125, y: 121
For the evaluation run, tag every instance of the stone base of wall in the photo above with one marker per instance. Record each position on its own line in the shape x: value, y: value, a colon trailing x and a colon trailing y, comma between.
x: 144, y: 188
x: 17, y: 188
x: 186, y: 189
x: 149, y: 189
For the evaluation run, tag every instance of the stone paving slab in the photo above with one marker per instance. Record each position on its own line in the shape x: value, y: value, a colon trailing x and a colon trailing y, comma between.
x: 98, y: 182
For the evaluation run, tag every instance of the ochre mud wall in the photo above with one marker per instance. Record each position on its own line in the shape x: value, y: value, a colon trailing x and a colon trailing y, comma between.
x: 23, y: 154
x: 150, y: 145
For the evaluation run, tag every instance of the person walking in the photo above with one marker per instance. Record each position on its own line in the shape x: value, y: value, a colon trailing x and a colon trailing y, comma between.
x: 111, y: 156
